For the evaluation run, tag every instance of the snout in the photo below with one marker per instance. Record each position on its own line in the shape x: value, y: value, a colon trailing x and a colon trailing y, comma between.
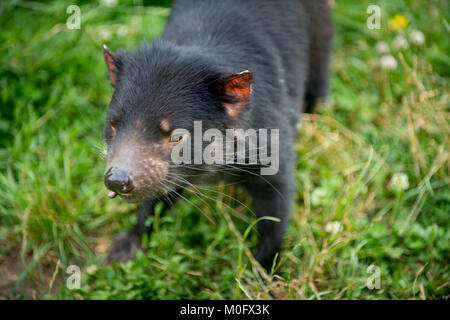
x: 133, y: 175
x: 118, y: 180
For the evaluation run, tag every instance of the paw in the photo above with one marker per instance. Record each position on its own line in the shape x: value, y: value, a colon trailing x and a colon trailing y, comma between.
x: 124, y: 247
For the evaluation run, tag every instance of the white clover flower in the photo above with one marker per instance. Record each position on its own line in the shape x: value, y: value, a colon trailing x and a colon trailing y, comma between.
x: 417, y: 37
x: 399, y: 181
x: 400, y: 43
x: 109, y: 3
x: 122, y: 31
x: 105, y: 34
x: 382, y: 47
x: 388, y: 62
x: 333, y: 227
x: 91, y: 269
x: 318, y: 196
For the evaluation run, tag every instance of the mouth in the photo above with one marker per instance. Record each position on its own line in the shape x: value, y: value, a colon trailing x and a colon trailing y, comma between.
x: 128, y: 197
x: 113, y: 194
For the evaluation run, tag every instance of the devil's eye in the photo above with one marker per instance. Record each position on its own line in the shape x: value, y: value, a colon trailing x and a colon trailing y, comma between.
x: 175, y: 138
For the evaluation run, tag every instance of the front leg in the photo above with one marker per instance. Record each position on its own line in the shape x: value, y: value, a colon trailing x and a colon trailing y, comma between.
x: 273, y: 201
x: 127, y: 243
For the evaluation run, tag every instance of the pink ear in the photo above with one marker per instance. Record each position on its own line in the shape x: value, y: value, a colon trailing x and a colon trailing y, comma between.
x: 110, y: 64
x: 239, y: 88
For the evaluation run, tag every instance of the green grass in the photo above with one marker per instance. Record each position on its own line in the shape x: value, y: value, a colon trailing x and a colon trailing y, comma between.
x: 376, y: 124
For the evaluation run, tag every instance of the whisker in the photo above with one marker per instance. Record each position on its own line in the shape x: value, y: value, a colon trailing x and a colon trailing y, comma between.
x: 213, y: 199
x: 180, y: 195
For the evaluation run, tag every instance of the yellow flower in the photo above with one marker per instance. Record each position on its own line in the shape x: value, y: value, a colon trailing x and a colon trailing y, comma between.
x: 398, y: 22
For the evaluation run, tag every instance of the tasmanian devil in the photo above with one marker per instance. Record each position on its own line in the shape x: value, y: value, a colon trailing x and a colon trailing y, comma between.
x: 248, y: 64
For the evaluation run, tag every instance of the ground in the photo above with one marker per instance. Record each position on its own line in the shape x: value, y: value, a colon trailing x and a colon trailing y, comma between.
x: 373, y: 168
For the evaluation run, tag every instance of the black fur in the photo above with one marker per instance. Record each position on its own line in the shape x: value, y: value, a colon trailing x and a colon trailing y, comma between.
x: 286, y: 46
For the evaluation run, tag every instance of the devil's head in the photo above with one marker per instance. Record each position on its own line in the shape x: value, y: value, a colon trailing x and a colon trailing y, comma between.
x: 160, y: 88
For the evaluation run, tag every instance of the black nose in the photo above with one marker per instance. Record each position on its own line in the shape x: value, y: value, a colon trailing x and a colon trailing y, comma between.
x: 118, y: 180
